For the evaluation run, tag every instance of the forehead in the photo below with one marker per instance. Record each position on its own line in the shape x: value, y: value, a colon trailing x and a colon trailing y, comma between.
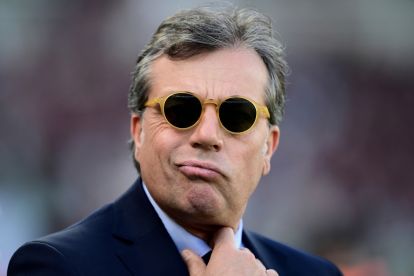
x: 217, y: 74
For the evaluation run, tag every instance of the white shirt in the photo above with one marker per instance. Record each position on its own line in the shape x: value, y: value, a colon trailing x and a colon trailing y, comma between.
x: 184, y: 239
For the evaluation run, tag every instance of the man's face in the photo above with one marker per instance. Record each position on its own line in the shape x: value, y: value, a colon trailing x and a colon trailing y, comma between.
x: 203, y: 177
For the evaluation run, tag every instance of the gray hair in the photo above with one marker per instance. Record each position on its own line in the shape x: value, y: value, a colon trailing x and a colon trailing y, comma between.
x: 201, y: 30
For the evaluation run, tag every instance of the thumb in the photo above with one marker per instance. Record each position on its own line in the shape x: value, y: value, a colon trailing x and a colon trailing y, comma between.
x: 194, y: 263
x: 224, y: 237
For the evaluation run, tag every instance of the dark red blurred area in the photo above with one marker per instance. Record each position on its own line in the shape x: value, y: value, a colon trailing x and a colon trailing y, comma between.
x: 341, y: 183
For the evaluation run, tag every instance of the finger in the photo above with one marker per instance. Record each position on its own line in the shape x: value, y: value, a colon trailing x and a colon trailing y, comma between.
x: 249, y: 254
x: 224, y: 236
x: 260, y: 264
x: 272, y: 272
x: 194, y: 263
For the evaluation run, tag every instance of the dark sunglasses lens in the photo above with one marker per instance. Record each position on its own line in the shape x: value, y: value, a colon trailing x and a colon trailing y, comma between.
x: 237, y: 114
x: 182, y: 110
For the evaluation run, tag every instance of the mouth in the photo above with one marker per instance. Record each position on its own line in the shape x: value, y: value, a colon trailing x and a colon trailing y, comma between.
x: 200, y: 170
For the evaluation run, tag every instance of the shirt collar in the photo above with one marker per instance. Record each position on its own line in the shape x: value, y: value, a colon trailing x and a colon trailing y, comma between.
x: 184, y: 239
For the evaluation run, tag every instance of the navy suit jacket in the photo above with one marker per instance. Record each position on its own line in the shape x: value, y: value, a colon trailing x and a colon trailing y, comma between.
x: 128, y: 238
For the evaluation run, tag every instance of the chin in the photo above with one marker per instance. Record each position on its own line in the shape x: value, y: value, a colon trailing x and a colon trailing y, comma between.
x: 204, y: 200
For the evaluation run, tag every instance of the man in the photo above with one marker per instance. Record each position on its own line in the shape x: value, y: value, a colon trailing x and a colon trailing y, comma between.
x: 206, y: 100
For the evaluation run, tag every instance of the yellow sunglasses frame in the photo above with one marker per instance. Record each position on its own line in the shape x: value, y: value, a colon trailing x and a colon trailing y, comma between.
x: 261, y: 110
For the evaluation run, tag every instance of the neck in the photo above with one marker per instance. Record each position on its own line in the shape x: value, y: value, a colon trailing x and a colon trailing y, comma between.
x: 205, y: 233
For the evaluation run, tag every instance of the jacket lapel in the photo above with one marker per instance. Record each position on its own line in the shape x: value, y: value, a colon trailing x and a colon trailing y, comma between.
x: 260, y: 249
x: 142, y: 243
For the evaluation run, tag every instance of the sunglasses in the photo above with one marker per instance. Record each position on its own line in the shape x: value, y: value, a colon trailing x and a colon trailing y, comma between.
x: 183, y: 110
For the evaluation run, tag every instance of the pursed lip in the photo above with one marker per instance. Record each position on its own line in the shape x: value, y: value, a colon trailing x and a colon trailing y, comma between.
x: 195, y: 168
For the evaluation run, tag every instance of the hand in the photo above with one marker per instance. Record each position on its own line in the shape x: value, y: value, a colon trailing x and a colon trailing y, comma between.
x: 226, y: 259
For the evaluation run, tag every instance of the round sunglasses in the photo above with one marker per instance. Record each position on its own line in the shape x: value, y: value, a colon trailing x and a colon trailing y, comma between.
x: 182, y: 110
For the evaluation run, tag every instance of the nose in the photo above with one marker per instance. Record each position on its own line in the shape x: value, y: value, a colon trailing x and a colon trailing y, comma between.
x: 207, y: 134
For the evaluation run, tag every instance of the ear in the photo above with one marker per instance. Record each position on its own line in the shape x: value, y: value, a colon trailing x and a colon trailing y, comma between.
x: 136, y: 130
x: 270, y: 147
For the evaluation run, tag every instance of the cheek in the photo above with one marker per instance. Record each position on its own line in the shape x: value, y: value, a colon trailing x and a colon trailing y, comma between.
x: 252, y: 156
x: 248, y: 166
x: 156, y: 139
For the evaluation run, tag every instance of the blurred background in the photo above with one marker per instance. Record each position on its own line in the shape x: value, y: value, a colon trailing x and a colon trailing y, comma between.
x: 342, y: 180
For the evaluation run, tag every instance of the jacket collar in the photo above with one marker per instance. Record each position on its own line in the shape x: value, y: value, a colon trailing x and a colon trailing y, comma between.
x: 142, y: 243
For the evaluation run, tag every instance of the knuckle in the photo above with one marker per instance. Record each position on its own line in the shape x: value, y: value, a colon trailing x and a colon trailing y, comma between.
x: 246, y: 252
x: 260, y: 264
x: 271, y: 272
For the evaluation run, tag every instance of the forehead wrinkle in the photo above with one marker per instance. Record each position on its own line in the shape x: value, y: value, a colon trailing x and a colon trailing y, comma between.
x: 217, y: 89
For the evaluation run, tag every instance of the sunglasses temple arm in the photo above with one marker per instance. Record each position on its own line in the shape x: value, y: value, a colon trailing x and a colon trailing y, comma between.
x: 264, y: 111
x: 153, y: 102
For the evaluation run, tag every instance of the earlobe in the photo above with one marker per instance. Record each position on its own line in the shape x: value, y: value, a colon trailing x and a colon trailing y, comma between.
x: 270, y: 147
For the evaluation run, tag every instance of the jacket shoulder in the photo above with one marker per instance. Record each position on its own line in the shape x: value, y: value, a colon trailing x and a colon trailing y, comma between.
x: 62, y: 252
x: 39, y: 258
x: 83, y: 235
